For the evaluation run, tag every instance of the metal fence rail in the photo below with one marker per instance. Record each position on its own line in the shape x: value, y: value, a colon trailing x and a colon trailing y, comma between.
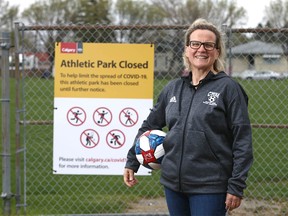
x: 46, y: 194
x: 5, y: 105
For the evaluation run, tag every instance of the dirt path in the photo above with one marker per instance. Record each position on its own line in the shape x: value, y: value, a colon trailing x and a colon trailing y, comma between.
x: 247, y: 208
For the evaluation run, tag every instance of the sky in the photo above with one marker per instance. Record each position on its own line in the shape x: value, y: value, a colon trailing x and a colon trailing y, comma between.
x: 254, y: 8
x: 255, y: 11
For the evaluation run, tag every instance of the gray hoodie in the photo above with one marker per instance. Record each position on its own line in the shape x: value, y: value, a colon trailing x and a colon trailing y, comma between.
x: 208, y: 146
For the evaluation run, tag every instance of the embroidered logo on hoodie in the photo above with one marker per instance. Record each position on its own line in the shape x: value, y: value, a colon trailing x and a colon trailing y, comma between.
x: 212, y: 98
x: 173, y: 99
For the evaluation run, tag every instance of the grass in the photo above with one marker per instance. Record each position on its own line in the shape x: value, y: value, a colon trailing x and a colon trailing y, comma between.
x: 267, y: 105
x: 75, y: 194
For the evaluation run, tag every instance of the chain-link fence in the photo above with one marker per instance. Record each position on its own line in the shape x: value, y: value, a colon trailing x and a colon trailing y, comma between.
x: 39, y: 192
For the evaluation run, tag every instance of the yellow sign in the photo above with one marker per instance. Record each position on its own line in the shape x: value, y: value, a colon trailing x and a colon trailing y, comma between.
x: 104, y: 70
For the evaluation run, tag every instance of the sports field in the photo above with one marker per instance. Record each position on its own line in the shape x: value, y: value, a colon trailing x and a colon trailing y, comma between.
x: 67, y: 194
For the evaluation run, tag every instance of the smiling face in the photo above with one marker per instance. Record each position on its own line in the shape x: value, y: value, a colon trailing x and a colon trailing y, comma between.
x: 201, y: 59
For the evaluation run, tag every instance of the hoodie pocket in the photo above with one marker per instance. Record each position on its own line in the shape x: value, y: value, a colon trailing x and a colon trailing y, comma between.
x: 172, y: 147
x: 199, y: 162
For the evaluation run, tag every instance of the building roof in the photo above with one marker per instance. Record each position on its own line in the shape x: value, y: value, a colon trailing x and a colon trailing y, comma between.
x: 257, y: 47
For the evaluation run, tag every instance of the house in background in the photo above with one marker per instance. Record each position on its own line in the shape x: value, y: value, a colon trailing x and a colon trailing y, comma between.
x: 39, y: 61
x: 257, y: 55
x: 30, y: 61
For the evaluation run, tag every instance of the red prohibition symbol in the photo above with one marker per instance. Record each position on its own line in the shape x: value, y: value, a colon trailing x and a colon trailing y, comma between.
x: 115, y: 139
x: 128, y: 117
x: 89, y: 138
x: 76, y: 116
x: 102, y: 116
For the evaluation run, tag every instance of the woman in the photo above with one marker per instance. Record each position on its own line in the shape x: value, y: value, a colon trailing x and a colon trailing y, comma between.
x: 208, y: 148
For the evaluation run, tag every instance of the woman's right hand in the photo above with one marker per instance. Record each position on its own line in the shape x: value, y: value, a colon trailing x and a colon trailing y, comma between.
x: 129, y: 178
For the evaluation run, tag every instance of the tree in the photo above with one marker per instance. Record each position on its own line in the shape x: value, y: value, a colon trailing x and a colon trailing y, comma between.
x: 173, y: 12
x: 184, y: 12
x: 276, y: 13
x: 46, y: 12
x: 3, y: 8
x: 96, y: 12
x: 43, y: 13
x: 53, y: 12
x: 57, y: 12
x: 8, y: 15
x: 83, y: 12
x: 276, y: 16
x: 93, y: 12
x: 129, y: 12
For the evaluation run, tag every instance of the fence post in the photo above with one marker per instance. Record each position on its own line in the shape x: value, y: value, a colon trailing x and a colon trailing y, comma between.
x: 6, y: 156
x: 19, y: 149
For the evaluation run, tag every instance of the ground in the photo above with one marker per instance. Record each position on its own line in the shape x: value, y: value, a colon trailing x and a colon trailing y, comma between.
x: 247, y: 208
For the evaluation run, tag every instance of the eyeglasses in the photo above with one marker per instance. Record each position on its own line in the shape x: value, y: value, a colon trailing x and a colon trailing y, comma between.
x: 207, y: 45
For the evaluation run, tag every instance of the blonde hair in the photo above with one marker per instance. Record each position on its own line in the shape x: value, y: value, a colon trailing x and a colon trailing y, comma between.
x: 205, y: 25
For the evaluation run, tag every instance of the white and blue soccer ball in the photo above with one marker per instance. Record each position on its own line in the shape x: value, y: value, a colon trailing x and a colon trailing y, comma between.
x: 149, y: 149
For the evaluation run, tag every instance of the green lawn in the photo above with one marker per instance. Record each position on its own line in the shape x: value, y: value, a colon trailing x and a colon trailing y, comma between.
x: 67, y: 194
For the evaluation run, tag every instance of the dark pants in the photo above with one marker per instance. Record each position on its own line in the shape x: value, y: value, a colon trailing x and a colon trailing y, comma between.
x: 182, y: 204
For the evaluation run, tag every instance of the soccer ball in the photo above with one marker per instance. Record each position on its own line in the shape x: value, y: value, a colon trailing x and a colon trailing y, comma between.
x: 149, y: 149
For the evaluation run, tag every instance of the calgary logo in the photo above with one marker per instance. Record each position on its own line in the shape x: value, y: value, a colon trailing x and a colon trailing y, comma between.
x: 71, y: 47
x: 212, y: 98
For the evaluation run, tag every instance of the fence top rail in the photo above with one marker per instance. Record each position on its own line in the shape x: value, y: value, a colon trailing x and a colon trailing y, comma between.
x: 131, y: 27
x: 100, y: 27
x: 259, y: 30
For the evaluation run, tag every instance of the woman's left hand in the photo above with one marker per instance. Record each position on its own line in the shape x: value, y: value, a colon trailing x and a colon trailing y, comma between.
x: 232, y: 202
